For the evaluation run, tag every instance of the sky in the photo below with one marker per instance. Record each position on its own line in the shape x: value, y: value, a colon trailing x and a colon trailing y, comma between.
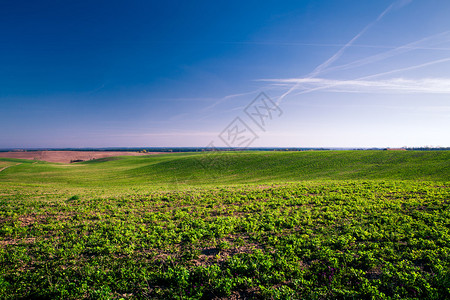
x: 305, y: 73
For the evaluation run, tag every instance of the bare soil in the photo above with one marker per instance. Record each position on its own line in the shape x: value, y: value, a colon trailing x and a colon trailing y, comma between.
x: 68, y: 156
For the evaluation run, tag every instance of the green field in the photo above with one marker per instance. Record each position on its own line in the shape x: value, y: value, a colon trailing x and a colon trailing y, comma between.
x: 218, y: 225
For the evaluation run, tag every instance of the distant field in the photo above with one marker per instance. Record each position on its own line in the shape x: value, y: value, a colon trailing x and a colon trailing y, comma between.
x: 237, y: 225
x: 66, y: 156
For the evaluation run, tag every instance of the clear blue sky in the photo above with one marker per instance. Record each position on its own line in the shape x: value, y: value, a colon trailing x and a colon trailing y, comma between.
x: 176, y: 73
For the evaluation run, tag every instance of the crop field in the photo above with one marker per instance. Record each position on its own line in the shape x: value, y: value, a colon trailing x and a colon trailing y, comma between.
x: 233, y: 225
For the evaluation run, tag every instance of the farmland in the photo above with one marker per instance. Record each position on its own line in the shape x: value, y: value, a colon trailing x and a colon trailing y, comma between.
x: 239, y: 225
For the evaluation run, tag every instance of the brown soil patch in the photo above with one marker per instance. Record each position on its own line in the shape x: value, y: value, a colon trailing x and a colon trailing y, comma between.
x: 67, y: 156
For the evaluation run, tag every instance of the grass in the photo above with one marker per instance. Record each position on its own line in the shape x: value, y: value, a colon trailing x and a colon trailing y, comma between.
x: 191, y: 169
x: 263, y: 225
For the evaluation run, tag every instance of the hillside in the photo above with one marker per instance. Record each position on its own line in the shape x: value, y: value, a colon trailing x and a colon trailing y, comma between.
x: 196, y: 169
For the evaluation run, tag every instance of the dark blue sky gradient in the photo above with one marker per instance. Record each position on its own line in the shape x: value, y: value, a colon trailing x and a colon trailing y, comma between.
x: 148, y: 73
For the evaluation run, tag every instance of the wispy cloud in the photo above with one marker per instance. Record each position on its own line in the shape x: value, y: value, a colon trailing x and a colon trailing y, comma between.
x: 423, y: 43
x: 397, y: 85
x: 226, y: 98
x: 336, y: 45
x: 332, y: 83
x: 434, y: 62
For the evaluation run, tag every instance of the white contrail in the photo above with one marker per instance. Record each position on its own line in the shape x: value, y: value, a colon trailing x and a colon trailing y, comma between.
x: 323, y: 67
x: 338, y: 54
x: 333, y: 58
x: 393, y: 52
x: 401, y: 49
